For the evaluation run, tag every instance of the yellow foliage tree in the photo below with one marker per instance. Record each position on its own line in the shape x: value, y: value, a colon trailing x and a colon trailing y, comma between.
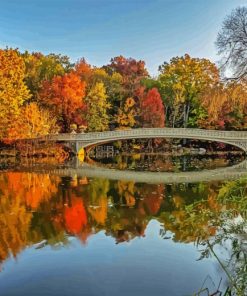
x: 97, y: 108
x: 33, y: 122
x: 13, y: 91
x: 182, y: 81
x: 126, y: 116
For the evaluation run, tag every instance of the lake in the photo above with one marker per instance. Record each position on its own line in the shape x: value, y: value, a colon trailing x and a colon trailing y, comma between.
x: 81, y: 235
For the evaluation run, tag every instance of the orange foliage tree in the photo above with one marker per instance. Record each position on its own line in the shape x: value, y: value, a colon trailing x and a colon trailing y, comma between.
x: 64, y: 94
x: 83, y: 70
x: 225, y: 106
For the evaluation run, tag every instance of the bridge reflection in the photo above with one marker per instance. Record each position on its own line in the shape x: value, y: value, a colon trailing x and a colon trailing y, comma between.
x: 93, y: 171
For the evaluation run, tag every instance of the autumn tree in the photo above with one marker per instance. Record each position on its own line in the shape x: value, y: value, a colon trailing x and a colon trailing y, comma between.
x: 131, y: 70
x: 182, y: 81
x: 126, y: 116
x: 97, y: 108
x: 32, y: 122
x: 212, y: 101
x: 83, y: 70
x: 149, y: 83
x: 152, y: 109
x: 13, y: 91
x: 64, y: 95
x: 113, y: 86
x: 224, y: 106
x: 112, y: 83
x: 40, y: 67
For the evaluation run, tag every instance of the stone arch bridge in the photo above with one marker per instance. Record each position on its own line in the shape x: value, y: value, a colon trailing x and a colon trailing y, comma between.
x: 88, y: 140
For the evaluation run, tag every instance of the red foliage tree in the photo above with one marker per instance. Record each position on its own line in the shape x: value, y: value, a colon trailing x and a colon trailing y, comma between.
x: 152, y: 109
x: 132, y: 71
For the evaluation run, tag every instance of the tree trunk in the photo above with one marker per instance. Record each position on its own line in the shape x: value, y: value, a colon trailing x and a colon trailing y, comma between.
x: 186, y: 118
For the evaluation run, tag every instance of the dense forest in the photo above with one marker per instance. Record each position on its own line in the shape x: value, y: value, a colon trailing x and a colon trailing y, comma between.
x: 44, y: 94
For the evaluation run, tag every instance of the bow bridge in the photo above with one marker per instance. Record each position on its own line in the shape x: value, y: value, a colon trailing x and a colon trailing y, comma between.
x: 87, y: 140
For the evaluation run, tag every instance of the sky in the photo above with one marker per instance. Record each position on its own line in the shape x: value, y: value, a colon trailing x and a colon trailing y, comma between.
x: 151, y: 30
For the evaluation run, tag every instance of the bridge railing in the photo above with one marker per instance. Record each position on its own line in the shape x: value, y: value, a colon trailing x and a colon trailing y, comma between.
x: 179, y: 132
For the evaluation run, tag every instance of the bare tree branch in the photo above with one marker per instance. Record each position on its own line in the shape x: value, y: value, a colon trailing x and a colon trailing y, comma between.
x: 232, y: 43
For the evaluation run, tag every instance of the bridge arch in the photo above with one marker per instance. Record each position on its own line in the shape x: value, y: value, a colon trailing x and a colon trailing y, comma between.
x: 89, y: 146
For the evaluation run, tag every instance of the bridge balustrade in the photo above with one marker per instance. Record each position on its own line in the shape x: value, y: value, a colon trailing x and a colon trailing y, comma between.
x: 237, y: 138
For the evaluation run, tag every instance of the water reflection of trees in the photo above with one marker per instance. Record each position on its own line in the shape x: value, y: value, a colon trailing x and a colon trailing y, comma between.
x: 39, y: 207
x: 167, y: 162
x: 216, y: 222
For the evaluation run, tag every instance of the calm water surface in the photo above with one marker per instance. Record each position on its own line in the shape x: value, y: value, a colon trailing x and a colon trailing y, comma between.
x: 88, y: 236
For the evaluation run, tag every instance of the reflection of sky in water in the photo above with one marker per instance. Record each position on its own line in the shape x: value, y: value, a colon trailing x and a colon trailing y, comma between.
x: 144, y: 266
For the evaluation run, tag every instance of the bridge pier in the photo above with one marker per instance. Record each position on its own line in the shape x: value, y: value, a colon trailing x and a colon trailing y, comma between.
x: 76, y: 146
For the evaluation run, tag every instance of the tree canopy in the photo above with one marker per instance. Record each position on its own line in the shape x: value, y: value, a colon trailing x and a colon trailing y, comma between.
x: 47, y: 93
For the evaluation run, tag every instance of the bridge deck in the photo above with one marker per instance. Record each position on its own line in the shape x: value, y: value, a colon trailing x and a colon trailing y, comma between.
x: 83, y: 140
x: 152, y: 132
